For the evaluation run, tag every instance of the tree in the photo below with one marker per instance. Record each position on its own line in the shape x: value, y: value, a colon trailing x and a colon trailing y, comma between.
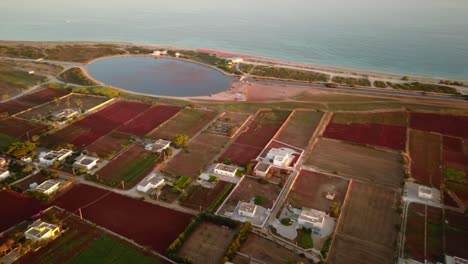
x: 68, y: 103
x: 181, y: 140
x: 21, y: 149
x: 249, y: 169
x: 79, y: 104
x: 35, y: 138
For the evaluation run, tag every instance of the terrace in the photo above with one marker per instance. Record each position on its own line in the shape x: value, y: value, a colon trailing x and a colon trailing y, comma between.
x: 48, y: 187
x: 49, y: 158
x: 41, y: 230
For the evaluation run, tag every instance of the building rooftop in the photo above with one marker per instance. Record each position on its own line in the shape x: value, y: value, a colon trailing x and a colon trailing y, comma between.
x: 263, y: 167
x: 39, y: 228
x: 247, y: 207
x: 225, y: 167
x: 152, y: 179
x: 312, y: 215
x: 85, y: 160
x: 425, y: 190
x: 55, y: 154
x: 47, y: 185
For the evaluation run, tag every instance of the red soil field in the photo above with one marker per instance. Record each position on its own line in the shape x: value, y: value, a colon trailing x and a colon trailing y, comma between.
x: 95, y: 126
x: 30, y: 100
x: 415, y: 232
x: 147, y: 224
x: 424, y: 150
x: 203, y: 197
x: 240, y: 154
x: 109, y: 145
x: 454, y: 154
x: 456, y: 238
x: 149, y: 120
x: 16, y: 208
x: 393, y: 137
x: 19, y: 128
x: 445, y: 124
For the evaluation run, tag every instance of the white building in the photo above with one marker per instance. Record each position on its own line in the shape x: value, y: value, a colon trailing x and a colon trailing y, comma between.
x: 262, y: 169
x: 425, y: 192
x: 48, y: 187
x: 49, y: 158
x: 64, y: 114
x: 156, y: 53
x: 236, y: 60
x: 4, y: 173
x: 311, y: 218
x: 41, y: 230
x: 177, y: 54
x: 158, y: 146
x: 247, y: 209
x: 85, y: 162
x: 227, y: 170
x: 281, y: 156
x: 152, y: 181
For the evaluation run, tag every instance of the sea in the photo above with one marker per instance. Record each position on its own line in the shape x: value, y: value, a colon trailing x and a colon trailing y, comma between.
x: 413, y: 37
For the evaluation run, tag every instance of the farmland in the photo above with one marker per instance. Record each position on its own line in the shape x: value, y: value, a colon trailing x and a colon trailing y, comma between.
x: 203, y: 198
x: 228, y: 123
x: 129, y: 167
x: 149, y: 120
x: 86, y: 131
x: 19, y: 128
x: 248, y: 189
x: 30, y: 100
x: 16, y: 208
x: 310, y: 188
x: 452, y: 125
x: 362, y: 163
x: 300, y: 128
x: 425, y: 153
x: 393, y: 137
x: 5, y: 141
x: 14, y: 80
x: 24, y: 184
x: 456, y: 234
x: 197, y: 156
x: 208, y: 243
x: 74, y: 101
x: 83, y: 243
x: 255, y: 136
x: 382, y: 118
x: 147, y: 224
x: 372, y: 230
x: 267, y: 251
x: 109, y: 145
x: 187, y: 121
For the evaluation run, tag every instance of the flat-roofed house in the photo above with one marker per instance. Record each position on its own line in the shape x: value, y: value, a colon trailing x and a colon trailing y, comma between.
x: 50, y: 157
x: 41, y: 230
x: 85, y: 162
x: 48, y: 187
x: 281, y: 156
x: 158, y: 146
x: 262, y: 169
x: 152, y: 181
x: 227, y: 170
x: 247, y: 209
x: 64, y: 114
x: 311, y: 218
x: 4, y: 173
x: 425, y: 192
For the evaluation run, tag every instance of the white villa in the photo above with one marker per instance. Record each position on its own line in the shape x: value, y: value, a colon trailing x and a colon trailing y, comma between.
x: 49, y: 158
x: 262, y: 169
x: 226, y: 170
x: 4, y: 173
x: 311, y: 218
x: 85, y: 162
x: 152, y: 181
x: 425, y: 192
x: 41, y: 230
x: 158, y: 146
x: 48, y: 187
x: 247, y: 209
x: 64, y: 114
x: 281, y: 157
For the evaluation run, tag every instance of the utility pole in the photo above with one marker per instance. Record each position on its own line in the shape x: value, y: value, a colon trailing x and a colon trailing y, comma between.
x: 81, y: 215
x: 123, y: 185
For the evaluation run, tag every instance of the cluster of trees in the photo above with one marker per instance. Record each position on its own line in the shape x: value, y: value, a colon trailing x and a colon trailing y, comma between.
x: 240, y: 238
x: 104, y: 91
x: 75, y: 75
x: 447, y: 82
x: 426, y: 87
x: 351, y: 81
x: 285, y: 73
x: 380, y: 84
x: 181, y: 140
x: 21, y: 149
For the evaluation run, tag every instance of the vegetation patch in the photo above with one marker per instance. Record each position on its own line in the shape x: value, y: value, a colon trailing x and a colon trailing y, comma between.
x: 290, y: 74
x: 351, y: 81
x: 425, y: 87
x: 75, y: 75
x: 6, y: 141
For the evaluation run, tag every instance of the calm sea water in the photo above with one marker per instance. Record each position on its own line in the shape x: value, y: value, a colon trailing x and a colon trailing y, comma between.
x: 168, y: 77
x: 422, y: 37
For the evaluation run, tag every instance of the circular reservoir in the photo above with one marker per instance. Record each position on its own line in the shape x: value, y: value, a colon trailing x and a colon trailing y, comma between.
x: 162, y: 76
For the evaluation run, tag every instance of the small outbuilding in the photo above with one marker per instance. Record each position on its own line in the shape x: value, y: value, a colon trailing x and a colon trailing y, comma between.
x: 311, y: 218
x: 425, y: 192
x: 152, y: 181
x: 85, y: 162
x: 262, y: 169
x: 247, y: 209
x: 48, y: 187
x: 158, y: 146
x: 226, y: 170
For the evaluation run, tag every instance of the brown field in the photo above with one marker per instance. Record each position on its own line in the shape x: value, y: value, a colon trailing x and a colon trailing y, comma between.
x: 382, y: 118
x: 248, y: 188
x: 109, y: 145
x: 228, y: 123
x: 24, y: 184
x: 197, y: 156
x: 414, y: 235
x: 300, y: 128
x: 371, y: 230
x: 310, y: 188
x: 425, y: 153
x: 456, y: 234
x: 15, y: 127
x: 369, y: 234
x: 267, y: 251
x: 187, y: 121
x: 87, y: 102
x: 208, y: 243
x: 357, y: 162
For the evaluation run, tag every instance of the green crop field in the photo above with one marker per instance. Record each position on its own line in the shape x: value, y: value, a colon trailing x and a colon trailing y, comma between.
x: 5, y: 141
x: 107, y: 250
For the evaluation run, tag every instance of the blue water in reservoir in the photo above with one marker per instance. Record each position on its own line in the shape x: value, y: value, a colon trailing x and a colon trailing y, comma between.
x: 421, y: 37
x: 167, y: 77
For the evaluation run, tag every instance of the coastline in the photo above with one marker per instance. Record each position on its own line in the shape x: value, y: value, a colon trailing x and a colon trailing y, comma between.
x: 332, y: 70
